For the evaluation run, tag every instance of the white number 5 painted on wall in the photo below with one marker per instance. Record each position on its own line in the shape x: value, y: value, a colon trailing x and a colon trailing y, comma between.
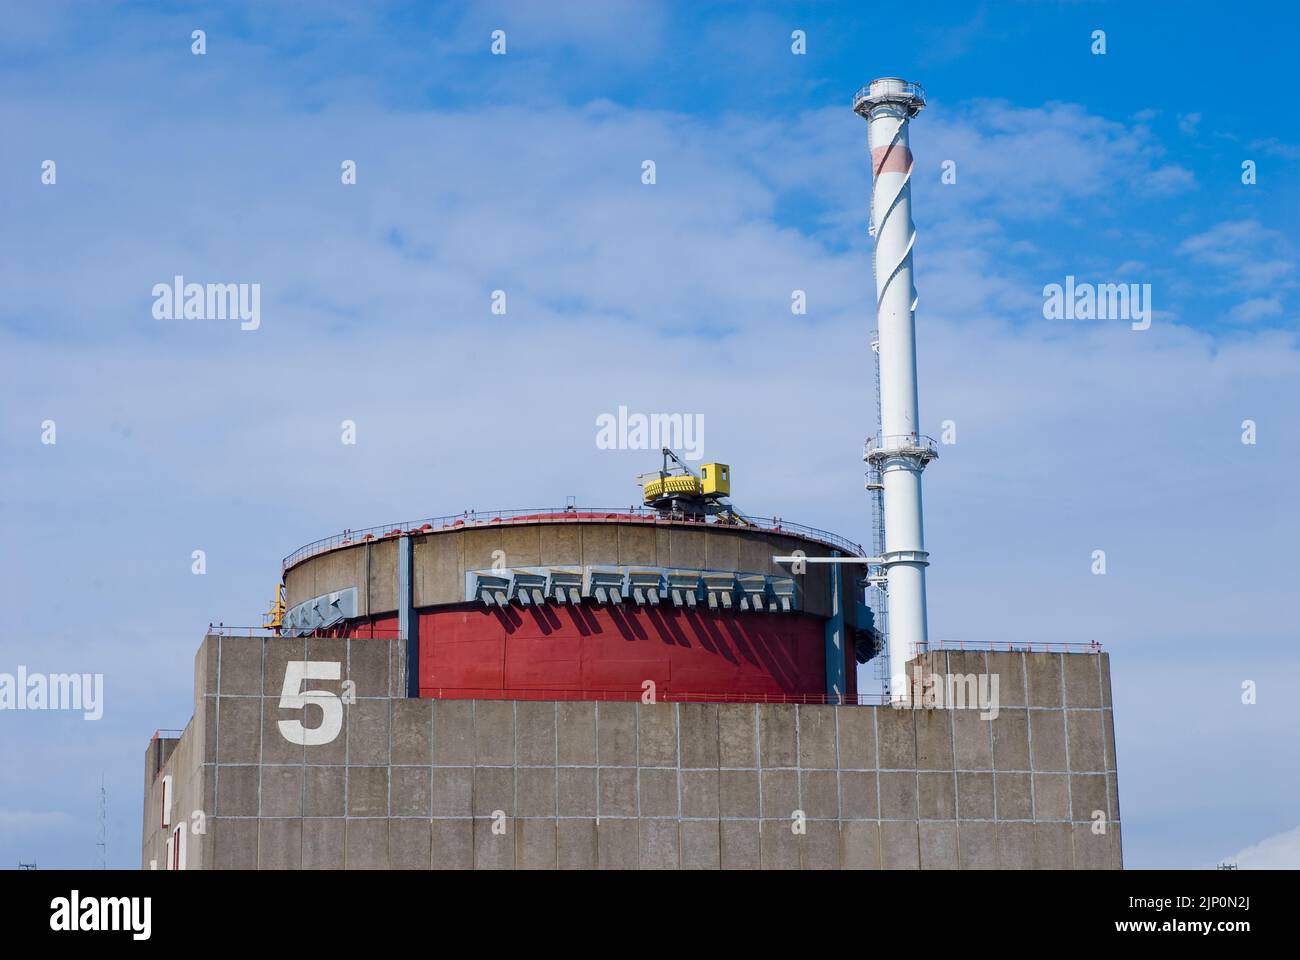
x: 294, y: 697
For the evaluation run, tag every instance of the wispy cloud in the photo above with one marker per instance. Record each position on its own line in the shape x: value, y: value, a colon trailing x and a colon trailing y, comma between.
x: 1245, y: 255
x: 1036, y: 162
x: 1255, y: 309
x: 1278, y: 852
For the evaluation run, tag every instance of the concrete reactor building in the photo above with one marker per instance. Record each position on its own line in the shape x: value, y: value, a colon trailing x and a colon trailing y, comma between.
x: 669, y: 686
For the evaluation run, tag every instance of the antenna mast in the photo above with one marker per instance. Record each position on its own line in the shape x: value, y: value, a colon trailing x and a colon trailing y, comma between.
x: 101, y: 844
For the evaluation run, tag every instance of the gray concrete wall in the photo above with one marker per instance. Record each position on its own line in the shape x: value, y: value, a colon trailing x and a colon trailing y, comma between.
x: 184, y: 760
x: 505, y: 784
x: 442, y: 557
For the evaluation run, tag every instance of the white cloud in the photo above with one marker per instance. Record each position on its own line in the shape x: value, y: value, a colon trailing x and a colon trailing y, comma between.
x: 1273, y: 147
x: 1037, y: 162
x: 1245, y: 253
x: 1169, y: 180
x: 1244, y: 257
x: 1278, y: 852
x: 613, y: 29
x: 1256, y: 308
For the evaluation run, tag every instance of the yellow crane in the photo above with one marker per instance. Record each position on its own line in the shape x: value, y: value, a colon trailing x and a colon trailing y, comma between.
x: 677, y: 490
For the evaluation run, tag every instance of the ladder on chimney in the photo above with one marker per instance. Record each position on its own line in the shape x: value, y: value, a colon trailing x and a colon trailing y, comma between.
x: 875, y: 484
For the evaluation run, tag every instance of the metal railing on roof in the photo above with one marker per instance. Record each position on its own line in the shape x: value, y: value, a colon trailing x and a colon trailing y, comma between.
x: 339, y: 631
x: 889, y: 88
x: 1003, y: 646
x: 474, y: 518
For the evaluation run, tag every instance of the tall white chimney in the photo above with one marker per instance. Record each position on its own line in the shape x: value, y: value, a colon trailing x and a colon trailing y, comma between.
x: 900, y: 452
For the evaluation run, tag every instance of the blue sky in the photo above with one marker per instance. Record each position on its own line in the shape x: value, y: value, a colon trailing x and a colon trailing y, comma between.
x: 522, y: 173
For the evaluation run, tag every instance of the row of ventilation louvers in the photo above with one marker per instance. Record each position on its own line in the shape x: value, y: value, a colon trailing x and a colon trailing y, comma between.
x: 320, y: 613
x: 713, y: 589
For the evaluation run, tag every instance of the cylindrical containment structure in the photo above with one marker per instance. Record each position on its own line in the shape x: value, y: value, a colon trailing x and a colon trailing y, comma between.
x: 900, y: 452
x: 573, y: 604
